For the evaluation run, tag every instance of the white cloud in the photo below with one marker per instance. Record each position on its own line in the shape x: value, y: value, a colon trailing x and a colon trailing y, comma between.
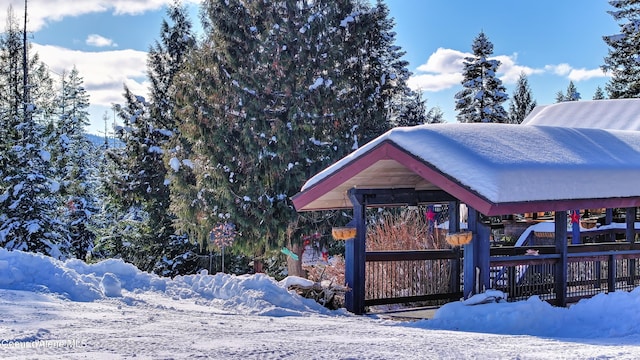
x: 511, y: 71
x: 444, y: 70
x: 586, y: 74
x: 560, y: 69
x: 444, y: 61
x: 99, y: 41
x: 104, y: 72
x: 41, y: 12
x: 434, y: 82
x: 582, y: 74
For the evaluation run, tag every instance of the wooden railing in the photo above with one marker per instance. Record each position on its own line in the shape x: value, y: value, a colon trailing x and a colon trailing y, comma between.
x: 395, y: 277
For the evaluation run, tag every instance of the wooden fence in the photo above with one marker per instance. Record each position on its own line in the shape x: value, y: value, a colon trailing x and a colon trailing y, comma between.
x: 434, y: 276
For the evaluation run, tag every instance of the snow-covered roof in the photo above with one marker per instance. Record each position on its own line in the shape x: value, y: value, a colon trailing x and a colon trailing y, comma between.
x: 618, y: 114
x: 495, y: 168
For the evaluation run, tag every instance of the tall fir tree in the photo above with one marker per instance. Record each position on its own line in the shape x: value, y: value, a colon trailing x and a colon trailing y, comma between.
x: 482, y: 95
x: 72, y: 157
x: 275, y: 92
x: 28, y: 218
x: 411, y: 110
x: 624, y: 49
x: 175, y: 252
x: 142, y: 183
x: 521, y: 103
x: 599, y: 94
x: 571, y: 94
x: 435, y: 116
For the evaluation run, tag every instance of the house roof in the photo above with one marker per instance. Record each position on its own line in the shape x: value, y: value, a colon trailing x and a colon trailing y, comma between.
x: 495, y: 168
x: 614, y: 114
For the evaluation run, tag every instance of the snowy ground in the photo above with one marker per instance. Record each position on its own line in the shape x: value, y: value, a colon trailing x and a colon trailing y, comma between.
x: 110, y: 310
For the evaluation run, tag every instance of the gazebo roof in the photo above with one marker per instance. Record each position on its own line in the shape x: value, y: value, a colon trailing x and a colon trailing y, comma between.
x: 495, y: 168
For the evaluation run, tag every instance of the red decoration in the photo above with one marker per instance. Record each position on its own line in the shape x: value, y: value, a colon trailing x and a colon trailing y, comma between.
x: 430, y: 215
x: 575, y: 217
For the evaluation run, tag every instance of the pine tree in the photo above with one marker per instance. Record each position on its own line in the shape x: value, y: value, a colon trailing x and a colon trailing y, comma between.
x: 482, y: 95
x: 599, y: 94
x: 166, y: 58
x: 276, y: 92
x: 521, y: 103
x: 624, y: 48
x: 28, y: 218
x: 140, y: 195
x: 411, y: 110
x: 139, y: 184
x: 571, y: 94
x: 435, y: 116
x: 72, y: 156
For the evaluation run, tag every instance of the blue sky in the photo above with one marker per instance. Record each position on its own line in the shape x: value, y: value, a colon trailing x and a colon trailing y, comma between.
x: 553, y: 42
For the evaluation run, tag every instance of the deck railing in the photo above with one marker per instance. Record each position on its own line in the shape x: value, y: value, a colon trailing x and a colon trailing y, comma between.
x: 435, y: 275
x: 393, y: 277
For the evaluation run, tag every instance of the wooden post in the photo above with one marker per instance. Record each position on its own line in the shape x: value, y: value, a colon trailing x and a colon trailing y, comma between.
x: 611, y: 274
x: 355, y: 257
x: 561, y: 248
x: 608, y: 219
x: 630, y: 233
x: 476, y: 257
x: 454, y: 227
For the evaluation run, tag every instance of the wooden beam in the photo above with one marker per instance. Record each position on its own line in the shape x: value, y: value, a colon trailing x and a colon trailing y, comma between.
x: 355, y: 256
x: 630, y: 220
x: 454, y: 227
x: 476, y: 257
x: 561, y: 249
x: 402, y: 197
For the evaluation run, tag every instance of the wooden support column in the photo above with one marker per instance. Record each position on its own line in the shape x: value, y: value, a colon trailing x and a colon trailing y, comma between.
x: 630, y: 220
x: 561, y: 248
x: 454, y: 227
x: 355, y: 256
x: 608, y: 219
x: 476, y: 257
x: 630, y: 233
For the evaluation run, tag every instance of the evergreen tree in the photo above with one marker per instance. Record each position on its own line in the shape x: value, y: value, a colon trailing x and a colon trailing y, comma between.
x: 10, y: 90
x: 139, y: 185
x: 142, y: 182
x: 599, y: 94
x: 521, y: 103
x: 572, y: 94
x: 28, y: 218
x: 624, y: 49
x: 72, y: 156
x: 275, y: 92
x: 412, y: 110
x: 166, y: 58
x: 482, y: 95
x: 435, y: 116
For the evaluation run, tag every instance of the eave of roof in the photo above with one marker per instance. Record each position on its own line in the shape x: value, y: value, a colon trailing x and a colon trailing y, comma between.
x: 392, y: 154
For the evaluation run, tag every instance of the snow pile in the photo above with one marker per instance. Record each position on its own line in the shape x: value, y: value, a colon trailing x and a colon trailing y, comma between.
x: 77, y: 281
x: 605, y: 316
x: 613, y: 315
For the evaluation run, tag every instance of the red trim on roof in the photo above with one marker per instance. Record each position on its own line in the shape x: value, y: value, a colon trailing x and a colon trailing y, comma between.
x: 304, y: 198
x: 387, y: 150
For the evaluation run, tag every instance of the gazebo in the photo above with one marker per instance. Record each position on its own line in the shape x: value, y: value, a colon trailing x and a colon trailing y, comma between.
x: 495, y: 169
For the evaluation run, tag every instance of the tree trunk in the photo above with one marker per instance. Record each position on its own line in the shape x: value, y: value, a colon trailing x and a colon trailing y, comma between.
x: 294, y: 267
